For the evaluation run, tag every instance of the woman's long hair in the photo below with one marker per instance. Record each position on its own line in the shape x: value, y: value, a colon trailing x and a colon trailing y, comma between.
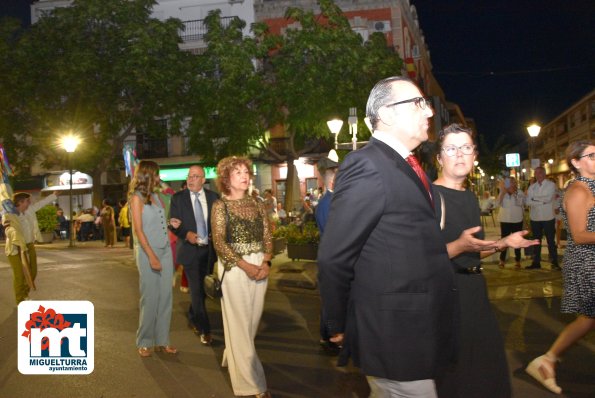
x: 145, y: 180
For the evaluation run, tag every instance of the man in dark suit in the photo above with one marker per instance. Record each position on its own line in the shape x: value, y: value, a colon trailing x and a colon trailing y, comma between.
x: 195, y: 251
x: 386, y: 281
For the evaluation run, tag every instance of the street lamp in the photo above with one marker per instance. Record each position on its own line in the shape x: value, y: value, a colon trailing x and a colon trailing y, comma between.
x: 335, y: 127
x: 352, y: 120
x: 69, y: 143
x: 533, y: 131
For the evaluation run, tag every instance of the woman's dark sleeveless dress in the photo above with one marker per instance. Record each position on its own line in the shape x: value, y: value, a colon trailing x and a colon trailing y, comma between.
x: 481, y: 369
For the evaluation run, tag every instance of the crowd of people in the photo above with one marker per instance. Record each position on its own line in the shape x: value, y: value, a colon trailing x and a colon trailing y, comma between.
x: 402, y: 290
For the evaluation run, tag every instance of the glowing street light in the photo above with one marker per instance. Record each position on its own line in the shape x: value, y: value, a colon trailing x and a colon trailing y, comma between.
x: 533, y: 131
x: 335, y: 127
x: 69, y: 143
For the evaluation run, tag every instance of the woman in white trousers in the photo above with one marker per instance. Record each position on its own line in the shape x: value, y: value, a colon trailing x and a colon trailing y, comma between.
x: 242, y: 239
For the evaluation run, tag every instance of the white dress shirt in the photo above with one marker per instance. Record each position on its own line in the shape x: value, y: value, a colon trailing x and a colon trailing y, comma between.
x: 512, y: 207
x: 540, y: 197
x: 28, y: 219
x: 202, y: 198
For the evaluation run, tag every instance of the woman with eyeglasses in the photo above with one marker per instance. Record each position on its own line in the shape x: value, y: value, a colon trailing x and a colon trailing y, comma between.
x: 480, y: 368
x: 578, y: 212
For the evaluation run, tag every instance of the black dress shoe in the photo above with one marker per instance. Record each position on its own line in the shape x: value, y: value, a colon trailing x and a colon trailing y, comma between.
x: 206, y: 339
x: 194, y: 329
x: 533, y: 266
x: 556, y: 267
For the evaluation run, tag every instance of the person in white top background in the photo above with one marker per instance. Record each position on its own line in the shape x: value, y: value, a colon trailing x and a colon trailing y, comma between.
x: 512, y: 206
x: 29, y: 232
x: 541, y: 196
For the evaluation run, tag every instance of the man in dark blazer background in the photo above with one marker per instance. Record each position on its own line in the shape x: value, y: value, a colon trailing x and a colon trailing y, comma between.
x: 195, y: 251
x: 386, y: 281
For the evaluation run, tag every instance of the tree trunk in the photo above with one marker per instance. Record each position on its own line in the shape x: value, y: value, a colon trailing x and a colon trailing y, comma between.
x: 293, y: 197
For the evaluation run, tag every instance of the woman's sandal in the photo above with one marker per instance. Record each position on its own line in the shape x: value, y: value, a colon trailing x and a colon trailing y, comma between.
x: 167, y: 349
x: 144, y: 352
x: 542, y: 370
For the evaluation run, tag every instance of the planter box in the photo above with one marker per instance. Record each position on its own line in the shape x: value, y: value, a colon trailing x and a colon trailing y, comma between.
x: 47, y: 237
x: 302, y: 252
x: 279, y: 245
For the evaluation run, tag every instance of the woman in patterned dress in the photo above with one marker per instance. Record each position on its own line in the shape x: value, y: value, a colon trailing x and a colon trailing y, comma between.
x: 244, y: 247
x: 578, y: 211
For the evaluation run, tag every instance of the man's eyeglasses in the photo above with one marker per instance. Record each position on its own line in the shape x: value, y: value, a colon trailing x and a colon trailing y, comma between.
x: 195, y: 176
x: 590, y: 155
x: 421, y: 102
x: 451, y: 150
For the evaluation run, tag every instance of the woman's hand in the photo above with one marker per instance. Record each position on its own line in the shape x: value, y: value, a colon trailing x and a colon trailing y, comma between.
x: 175, y: 223
x: 468, y: 243
x: 251, y: 270
x: 264, y: 271
x: 155, y: 263
x: 517, y: 241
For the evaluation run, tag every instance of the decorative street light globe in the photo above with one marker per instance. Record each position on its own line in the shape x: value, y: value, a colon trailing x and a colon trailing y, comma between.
x: 335, y: 127
x: 534, y: 130
x: 69, y: 143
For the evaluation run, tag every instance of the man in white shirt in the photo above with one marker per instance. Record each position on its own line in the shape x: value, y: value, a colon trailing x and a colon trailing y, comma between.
x: 29, y: 230
x: 540, y: 198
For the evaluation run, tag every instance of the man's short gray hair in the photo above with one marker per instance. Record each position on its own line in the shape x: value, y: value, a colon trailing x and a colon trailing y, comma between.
x: 380, y: 95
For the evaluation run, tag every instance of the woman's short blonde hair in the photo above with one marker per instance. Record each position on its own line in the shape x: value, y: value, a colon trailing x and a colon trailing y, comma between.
x: 224, y: 169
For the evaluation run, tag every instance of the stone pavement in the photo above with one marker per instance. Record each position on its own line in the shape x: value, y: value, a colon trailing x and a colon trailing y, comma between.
x: 526, y: 303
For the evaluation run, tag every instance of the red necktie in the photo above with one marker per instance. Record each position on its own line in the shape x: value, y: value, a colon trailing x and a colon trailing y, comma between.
x: 412, y: 160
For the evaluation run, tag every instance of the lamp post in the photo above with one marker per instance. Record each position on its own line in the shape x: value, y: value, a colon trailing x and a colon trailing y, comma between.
x: 533, y: 131
x: 353, y: 126
x: 69, y: 143
x: 335, y: 127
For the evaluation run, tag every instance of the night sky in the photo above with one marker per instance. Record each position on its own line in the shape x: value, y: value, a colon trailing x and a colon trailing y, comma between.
x: 505, y: 62
x: 508, y: 63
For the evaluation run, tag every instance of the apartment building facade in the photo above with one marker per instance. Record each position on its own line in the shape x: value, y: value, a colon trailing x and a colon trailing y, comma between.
x: 396, y: 19
x: 575, y: 123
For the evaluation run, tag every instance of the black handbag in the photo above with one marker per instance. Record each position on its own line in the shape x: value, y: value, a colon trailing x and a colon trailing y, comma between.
x: 212, y: 284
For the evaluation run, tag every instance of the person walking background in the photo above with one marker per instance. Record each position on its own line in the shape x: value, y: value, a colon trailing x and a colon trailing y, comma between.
x: 192, y: 209
x: 541, y: 196
x: 328, y: 169
x: 512, y: 209
x: 578, y: 212
x: 108, y: 221
x: 21, y: 233
x: 480, y: 369
x: 244, y: 245
x: 124, y: 219
x: 153, y: 259
x: 386, y: 283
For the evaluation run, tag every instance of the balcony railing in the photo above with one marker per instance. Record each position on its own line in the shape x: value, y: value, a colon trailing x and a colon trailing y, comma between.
x: 196, y: 29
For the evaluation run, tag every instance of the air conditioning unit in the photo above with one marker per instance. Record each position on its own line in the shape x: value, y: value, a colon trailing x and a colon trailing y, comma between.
x: 415, y: 52
x: 381, y: 26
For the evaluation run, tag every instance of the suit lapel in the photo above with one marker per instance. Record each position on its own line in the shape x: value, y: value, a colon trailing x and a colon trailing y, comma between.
x: 187, y: 202
x: 403, y: 166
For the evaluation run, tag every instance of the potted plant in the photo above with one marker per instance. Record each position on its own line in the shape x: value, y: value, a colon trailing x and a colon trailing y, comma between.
x: 302, y: 243
x: 279, y: 239
x: 47, y: 220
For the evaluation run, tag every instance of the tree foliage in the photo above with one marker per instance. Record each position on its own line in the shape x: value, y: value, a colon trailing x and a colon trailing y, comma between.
x: 105, y: 69
x: 102, y: 69
x: 226, y: 93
